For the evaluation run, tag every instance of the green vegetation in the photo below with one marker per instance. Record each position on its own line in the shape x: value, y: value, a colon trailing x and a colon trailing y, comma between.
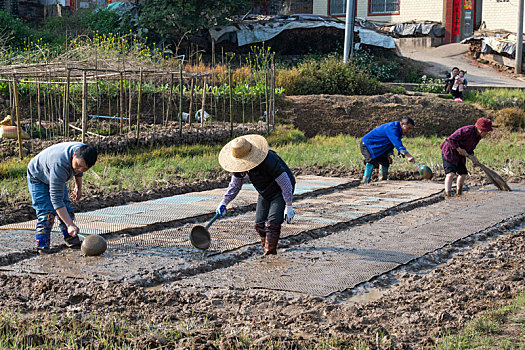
x: 328, y: 76
x: 164, y: 22
x: 430, y: 84
x: 111, y: 332
x: 160, y: 166
x: 52, y: 331
x: 499, y: 328
x: 512, y: 119
x: 497, y: 98
x: 13, y: 32
x: 383, y: 68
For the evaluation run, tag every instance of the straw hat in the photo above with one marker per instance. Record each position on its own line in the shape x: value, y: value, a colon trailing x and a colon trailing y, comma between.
x: 243, y: 153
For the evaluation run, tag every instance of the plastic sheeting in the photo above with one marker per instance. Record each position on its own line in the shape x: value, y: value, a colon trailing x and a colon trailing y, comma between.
x: 496, y: 44
x: 490, y: 44
x: 411, y: 29
x: 122, y: 7
x: 248, y: 33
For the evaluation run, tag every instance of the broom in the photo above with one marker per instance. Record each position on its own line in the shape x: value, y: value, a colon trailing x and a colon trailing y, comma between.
x: 493, y: 176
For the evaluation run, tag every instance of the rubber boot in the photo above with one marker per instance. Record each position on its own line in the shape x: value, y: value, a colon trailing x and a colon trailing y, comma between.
x: 368, y: 173
x: 44, y: 225
x: 273, y: 232
x: 260, y: 228
x: 384, y: 173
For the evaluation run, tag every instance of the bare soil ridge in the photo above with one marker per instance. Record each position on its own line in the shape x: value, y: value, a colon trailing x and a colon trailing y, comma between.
x: 331, y: 115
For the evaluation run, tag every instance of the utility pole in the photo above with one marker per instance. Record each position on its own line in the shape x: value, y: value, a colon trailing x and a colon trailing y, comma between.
x: 349, y: 30
x: 519, y: 39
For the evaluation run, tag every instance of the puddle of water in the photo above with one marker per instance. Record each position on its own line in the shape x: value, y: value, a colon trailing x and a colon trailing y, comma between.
x: 371, y: 295
x: 155, y: 288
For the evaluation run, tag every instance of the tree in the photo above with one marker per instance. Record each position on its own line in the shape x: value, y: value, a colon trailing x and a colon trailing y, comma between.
x: 166, y: 21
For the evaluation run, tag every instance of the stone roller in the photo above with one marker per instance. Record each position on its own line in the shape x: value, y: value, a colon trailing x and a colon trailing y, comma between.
x: 92, y: 245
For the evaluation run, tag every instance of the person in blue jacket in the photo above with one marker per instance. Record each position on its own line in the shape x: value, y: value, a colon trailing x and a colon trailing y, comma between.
x: 378, y: 146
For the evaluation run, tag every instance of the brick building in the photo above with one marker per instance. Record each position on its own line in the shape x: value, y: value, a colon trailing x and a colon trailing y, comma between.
x: 459, y: 17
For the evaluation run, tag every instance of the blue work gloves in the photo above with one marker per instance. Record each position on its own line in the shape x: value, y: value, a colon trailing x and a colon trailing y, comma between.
x: 288, y: 214
x: 221, y: 209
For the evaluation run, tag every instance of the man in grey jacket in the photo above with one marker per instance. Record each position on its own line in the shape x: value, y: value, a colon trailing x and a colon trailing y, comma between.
x: 47, y: 175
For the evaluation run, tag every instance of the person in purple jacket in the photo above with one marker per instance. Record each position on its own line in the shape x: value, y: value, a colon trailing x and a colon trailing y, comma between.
x: 250, y: 156
x: 378, y: 146
x: 455, y: 150
x: 47, y: 175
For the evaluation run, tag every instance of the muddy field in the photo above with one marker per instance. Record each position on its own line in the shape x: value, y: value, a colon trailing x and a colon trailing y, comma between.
x: 421, y: 295
x: 97, y: 199
x: 409, y: 306
x: 324, y: 114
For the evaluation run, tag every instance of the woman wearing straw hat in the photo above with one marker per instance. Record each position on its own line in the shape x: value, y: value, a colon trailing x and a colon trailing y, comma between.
x: 271, y: 177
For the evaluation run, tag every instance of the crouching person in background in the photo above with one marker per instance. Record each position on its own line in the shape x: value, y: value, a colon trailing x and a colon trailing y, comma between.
x: 455, y: 150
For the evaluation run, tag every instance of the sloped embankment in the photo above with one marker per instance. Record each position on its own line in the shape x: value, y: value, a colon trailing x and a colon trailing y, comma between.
x: 331, y: 115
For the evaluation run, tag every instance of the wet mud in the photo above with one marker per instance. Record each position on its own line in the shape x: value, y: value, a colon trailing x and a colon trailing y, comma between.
x: 476, y: 257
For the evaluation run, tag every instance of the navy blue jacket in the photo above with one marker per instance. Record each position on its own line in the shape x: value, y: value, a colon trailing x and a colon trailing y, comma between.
x: 383, y: 139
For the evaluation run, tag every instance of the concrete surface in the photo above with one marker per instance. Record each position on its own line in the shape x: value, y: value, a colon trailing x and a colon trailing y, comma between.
x: 442, y: 58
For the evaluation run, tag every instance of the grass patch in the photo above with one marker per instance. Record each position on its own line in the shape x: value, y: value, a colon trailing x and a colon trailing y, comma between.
x: 497, y: 328
x: 497, y: 98
x: 53, y: 331
x: 156, y: 167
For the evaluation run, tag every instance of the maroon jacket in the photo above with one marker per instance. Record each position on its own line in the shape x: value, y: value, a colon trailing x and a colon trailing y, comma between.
x: 467, y: 138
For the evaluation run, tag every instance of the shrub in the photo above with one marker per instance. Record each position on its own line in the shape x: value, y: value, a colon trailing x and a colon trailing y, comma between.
x: 381, y: 68
x: 412, y: 76
x: 13, y: 32
x: 329, y: 76
x: 285, y: 134
x: 102, y: 21
x: 397, y: 89
x: 289, y: 79
x: 512, y: 119
x: 430, y: 84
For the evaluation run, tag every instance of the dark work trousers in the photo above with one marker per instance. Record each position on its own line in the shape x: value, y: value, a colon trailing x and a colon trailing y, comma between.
x: 271, y: 210
x: 382, y: 159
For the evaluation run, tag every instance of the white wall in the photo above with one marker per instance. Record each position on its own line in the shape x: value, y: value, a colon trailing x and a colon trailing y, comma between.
x: 320, y: 7
x: 409, y: 10
x: 500, y: 14
x: 417, y: 10
x: 53, y: 2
